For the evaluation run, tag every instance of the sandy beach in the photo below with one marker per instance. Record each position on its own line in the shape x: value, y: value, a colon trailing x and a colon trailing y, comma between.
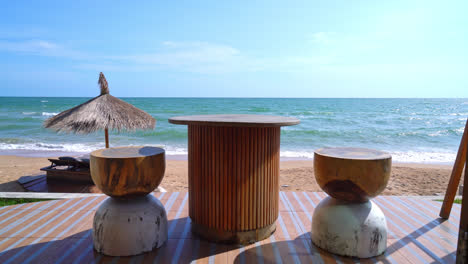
x: 295, y: 175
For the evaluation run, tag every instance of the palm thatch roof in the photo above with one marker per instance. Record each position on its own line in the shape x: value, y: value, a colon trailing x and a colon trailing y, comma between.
x: 100, y: 113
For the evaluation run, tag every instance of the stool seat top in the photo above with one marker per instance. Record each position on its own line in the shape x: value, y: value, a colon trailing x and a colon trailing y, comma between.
x: 232, y: 120
x: 353, y: 153
x: 127, y: 152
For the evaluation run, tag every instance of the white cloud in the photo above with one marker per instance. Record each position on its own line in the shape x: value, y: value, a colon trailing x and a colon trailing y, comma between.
x: 30, y: 46
x: 212, y: 58
x: 41, y: 48
x: 197, y: 57
x: 192, y: 56
x: 203, y: 57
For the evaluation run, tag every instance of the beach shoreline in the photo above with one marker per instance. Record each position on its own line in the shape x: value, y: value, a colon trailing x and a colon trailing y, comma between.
x: 54, y: 154
x: 295, y: 175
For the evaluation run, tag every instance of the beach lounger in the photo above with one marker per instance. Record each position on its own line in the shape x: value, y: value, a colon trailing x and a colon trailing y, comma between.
x: 69, y: 169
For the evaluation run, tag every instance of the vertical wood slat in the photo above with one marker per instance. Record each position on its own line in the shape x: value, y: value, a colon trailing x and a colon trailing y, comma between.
x: 205, y: 186
x: 212, y: 181
x: 233, y: 177
x: 276, y: 160
x: 217, y: 181
x: 229, y: 180
x: 244, y: 171
x: 268, y: 182
x: 237, y: 201
x: 264, y: 171
x: 259, y: 189
x: 222, y: 184
x: 250, y: 181
x: 190, y: 157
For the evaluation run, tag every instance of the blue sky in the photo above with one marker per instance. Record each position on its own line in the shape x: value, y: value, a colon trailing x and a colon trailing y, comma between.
x: 235, y: 49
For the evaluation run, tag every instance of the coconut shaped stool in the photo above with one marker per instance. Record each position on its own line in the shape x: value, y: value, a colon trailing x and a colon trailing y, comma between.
x: 131, y: 221
x: 348, y: 223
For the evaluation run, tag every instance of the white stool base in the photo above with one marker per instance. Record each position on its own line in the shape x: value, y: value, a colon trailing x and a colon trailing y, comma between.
x: 349, y: 229
x: 126, y: 227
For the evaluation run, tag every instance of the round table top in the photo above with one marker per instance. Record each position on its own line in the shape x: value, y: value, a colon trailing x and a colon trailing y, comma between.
x: 235, y: 120
x: 353, y: 153
x: 127, y: 152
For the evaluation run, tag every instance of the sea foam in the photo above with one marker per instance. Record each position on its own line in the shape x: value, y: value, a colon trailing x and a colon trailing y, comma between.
x: 51, y: 147
x: 49, y: 114
x: 397, y: 156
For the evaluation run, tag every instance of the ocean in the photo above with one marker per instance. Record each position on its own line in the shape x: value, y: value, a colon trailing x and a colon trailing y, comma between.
x: 412, y: 130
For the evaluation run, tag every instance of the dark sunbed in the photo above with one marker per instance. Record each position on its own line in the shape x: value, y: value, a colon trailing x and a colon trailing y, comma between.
x: 69, y: 169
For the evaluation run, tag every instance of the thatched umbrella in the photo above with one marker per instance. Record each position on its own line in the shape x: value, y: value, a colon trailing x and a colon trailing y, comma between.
x: 101, y: 113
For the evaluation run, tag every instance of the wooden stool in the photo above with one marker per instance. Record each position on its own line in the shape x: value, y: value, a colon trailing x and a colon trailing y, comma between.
x: 349, y: 223
x: 131, y: 221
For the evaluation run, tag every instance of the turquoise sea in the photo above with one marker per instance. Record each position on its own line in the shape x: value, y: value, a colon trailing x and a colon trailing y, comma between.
x: 412, y: 130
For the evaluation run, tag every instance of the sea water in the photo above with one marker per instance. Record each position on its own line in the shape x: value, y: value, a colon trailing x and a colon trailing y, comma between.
x: 412, y: 130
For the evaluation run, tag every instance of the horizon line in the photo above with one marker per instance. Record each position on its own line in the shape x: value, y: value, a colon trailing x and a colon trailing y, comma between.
x: 234, y: 97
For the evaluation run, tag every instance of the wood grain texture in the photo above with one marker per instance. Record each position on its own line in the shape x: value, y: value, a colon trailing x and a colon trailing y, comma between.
x: 81, y: 175
x: 234, y: 120
x: 233, y: 180
x: 106, y: 135
x: 229, y: 237
x: 352, y: 174
x: 127, y: 171
x: 455, y: 177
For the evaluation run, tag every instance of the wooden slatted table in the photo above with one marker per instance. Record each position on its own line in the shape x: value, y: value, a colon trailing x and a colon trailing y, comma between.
x: 233, y: 175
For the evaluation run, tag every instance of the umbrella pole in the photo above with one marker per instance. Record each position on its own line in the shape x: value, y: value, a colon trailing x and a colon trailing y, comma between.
x: 106, y: 132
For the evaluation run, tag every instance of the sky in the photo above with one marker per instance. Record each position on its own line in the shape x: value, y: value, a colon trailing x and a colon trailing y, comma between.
x: 235, y: 48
